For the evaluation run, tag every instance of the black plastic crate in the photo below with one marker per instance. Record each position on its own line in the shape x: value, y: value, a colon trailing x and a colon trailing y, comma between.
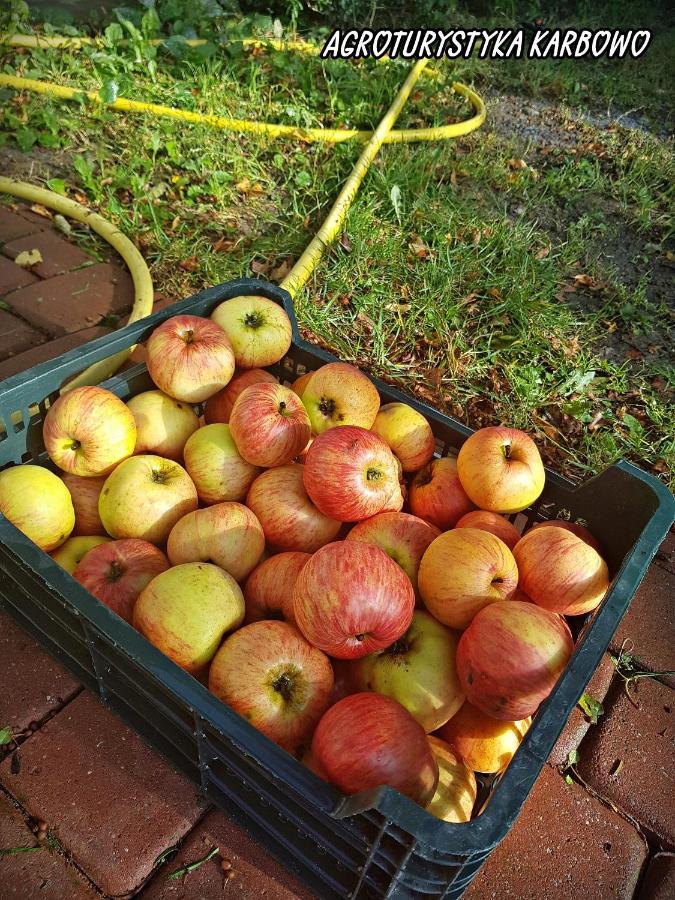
x: 375, y: 844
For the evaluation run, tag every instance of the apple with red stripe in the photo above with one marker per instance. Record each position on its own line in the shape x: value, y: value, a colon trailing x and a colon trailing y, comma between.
x: 268, y: 591
x: 463, y: 571
x: 85, y: 493
x: 492, y: 522
x: 580, y: 530
x: 484, y: 743
x: 437, y: 496
x: 351, y: 474
x: 69, y: 555
x: 289, y: 518
x: 190, y: 358
x: 510, y: 657
x: 561, y: 572
x: 218, y: 408
x: 270, y: 675
x: 350, y: 599
x: 367, y: 740
x: 117, y: 571
x: 269, y: 425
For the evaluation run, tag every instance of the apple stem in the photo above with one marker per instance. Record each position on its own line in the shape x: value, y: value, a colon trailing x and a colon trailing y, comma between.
x: 114, y: 572
x: 507, y: 451
x: 75, y: 445
x: 282, y: 406
x: 283, y: 685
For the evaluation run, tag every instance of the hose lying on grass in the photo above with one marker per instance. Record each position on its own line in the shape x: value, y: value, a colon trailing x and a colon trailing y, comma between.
x: 332, y: 226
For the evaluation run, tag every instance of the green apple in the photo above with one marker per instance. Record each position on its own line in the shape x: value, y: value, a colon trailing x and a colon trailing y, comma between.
x: 418, y: 670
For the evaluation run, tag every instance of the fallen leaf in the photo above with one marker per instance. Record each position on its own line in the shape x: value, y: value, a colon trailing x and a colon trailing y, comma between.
x: 281, y: 271
x: 260, y: 268
x: 543, y: 253
x: 633, y: 354
x: 41, y: 210
x: 516, y: 164
x: 495, y: 292
x: 190, y: 264
x: 28, y: 258
x: 585, y: 280
x: 243, y: 186
x: 418, y: 247
x: 434, y: 377
x: 222, y: 245
x: 468, y: 299
x: 660, y: 466
x: 365, y: 321
x: 453, y: 178
x: 398, y: 307
x: 345, y: 242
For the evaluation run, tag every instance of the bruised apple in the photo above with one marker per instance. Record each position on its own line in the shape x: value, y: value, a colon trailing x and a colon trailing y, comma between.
x: 407, y: 433
x: 492, y: 522
x: 456, y: 791
x: 560, y: 572
x: 340, y: 394
x: 186, y: 611
x: 227, y: 534
x: 288, y: 517
x: 219, y: 407
x: 163, y: 424
x: 367, y: 740
x: 484, y: 743
x: 270, y: 675
x: 268, y: 591
x: 350, y: 599
x: 437, y: 496
x: 216, y: 466
x: 510, y: 657
x: 117, y: 571
x: 404, y: 538
x: 464, y: 570
x: 351, y: 474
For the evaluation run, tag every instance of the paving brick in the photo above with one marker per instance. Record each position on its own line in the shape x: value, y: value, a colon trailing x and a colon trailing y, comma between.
x: 659, y: 880
x: 58, y: 254
x: 13, y: 225
x: 564, y: 845
x: 630, y: 760
x: 13, y: 276
x: 577, y: 725
x: 33, y: 684
x: 112, y: 803
x: 16, y: 336
x: 44, y: 873
x: 254, y: 873
x: 649, y: 623
x: 74, y: 301
x: 49, y: 350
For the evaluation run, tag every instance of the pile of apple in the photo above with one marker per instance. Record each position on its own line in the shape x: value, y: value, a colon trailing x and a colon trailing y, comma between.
x: 254, y: 533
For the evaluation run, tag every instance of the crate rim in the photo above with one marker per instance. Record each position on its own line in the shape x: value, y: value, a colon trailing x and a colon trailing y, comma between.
x: 434, y: 835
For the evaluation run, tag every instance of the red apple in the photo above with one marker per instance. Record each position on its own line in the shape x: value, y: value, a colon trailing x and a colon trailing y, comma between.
x: 216, y: 466
x: 579, y: 530
x: 269, y: 425
x: 437, y: 496
x: 484, y: 743
x: 116, y: 572
x: 268, y: 591
x: 259, y: 329
x: 340, y: 394
x: 219, y: 407
x: 85, y: 493
x: 560, y: 571
x: 464, y: 570
x: 163, y: 424
x: 190, y: 358
x: 144, y: 498
x: 350, y: 599
x: 300, y: 383
x: 403, y: 537
x: 88, y: 431
x: 288, y: 517
x: 270, y: 675
x: 510, y: 658
x: 457, y: 789
x: 351, y: 474
x: 368, y: 740
x: 492, y: 522
x: 501, y: 469
x: 186, y: 611
x: 38, y: 503
x: 407, y: 433
x: 227, y: 534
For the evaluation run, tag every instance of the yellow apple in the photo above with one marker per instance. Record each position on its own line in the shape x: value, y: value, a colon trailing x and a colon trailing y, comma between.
x: 69, y: 554
x: 457, y: 789
x: 408, y: 434
x: 38, y: 503
x: 258, y: 328
x: 485, y: 744
x: 163, y: 424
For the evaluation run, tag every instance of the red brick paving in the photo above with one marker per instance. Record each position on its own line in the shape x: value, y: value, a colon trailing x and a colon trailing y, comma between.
x: 33, y: 684
x: 115, y: 805
x: 630, y: 760
x: 253, y: 872
x: 58, y: 256
x: 108, y: 798
x: 659, y: 880
x: 43, y: 873
x: 564, y: 845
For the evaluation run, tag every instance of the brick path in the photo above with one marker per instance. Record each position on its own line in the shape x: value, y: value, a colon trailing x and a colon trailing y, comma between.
x: 102, y: 807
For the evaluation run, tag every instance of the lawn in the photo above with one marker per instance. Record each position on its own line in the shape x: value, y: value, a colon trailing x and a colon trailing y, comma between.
x: 520, y: 274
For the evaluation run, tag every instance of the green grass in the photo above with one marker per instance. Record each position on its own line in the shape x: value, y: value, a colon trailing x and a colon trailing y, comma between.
x: 462, y: 292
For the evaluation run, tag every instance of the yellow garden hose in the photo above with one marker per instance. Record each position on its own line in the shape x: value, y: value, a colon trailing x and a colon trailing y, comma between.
x: 300, y: 273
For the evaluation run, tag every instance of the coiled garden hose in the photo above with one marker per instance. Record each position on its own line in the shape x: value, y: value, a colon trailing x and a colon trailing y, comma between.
x: 302, y: 270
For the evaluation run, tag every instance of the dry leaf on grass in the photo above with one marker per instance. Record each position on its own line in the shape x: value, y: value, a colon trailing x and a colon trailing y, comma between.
x: 345, y: 242
x: 189, y: 264
x: 543, y: 253
x: 418, y: 247
x: 260, y: 268
x: 279, y: 272
x: 41, y: 210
